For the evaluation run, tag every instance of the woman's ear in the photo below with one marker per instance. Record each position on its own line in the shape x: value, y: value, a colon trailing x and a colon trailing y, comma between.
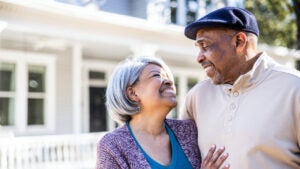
x: 131, y: 94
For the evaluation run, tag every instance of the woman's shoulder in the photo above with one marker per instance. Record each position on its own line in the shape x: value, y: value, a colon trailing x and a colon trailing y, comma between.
x: 182, y: 125
x: 118, y: 145
x: 114, y: 137
x: 180, y: 122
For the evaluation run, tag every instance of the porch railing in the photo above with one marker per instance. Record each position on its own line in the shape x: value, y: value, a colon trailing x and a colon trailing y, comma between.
x: 48, y: 152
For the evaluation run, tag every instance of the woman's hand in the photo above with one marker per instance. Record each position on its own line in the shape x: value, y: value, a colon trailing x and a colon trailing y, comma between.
x: 214, y: 160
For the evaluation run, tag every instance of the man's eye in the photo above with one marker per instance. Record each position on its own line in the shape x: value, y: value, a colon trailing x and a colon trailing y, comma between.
x: 202, y: 45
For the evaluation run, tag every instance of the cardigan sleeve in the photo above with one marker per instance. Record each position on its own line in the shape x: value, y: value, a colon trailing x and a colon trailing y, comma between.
x: 106, y: 159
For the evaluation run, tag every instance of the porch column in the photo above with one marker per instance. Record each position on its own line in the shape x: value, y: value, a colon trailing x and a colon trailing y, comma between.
x: 3, y: 25
x: 21, y: 98
x: 182, y: 85
x: 76, y: 87
x: 181, y: 12
x: 202, y: 9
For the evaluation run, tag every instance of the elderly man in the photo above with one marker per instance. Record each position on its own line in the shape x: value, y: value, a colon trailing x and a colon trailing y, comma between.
x: 250, y: 104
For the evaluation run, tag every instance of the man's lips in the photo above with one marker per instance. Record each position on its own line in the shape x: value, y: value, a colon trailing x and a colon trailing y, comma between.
x: 205, y: 64
x: 208, y: 67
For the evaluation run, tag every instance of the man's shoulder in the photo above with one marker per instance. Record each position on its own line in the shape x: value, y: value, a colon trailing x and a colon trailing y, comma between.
x: 202, y: 87
x: 287, y: 73
x: 202, y: 84
x: 280, y: 68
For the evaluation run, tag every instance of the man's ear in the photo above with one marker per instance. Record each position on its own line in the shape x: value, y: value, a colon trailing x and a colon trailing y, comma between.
x: 240, y: 41
x: 130, y: 92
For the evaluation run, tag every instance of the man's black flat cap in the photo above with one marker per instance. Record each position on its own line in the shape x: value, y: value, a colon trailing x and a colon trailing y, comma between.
x: 227, y: 17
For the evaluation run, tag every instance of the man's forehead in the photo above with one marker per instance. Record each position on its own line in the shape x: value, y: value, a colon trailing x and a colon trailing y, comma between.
x: 200, y: 39
x: 211, y: 32
x: 204, y: 34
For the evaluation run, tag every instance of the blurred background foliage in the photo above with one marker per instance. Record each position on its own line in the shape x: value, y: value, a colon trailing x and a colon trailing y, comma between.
x: 278, y: 21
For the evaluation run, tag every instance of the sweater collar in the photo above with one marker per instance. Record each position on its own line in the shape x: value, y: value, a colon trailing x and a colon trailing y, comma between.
x: 257, y: 74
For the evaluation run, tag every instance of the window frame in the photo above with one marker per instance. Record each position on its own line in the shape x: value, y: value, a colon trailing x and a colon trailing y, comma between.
x: 107, y: 68
x: 22, y: 61
x: 11, y: 93
x: 183, y: 75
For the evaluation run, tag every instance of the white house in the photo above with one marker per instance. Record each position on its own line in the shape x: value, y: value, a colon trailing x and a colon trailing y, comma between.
x: 56, y: 58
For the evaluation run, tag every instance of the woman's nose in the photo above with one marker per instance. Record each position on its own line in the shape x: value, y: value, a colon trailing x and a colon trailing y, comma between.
x: 168, y: 82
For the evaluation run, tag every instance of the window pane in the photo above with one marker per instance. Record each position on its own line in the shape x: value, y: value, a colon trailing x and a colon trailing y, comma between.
x: 298, y: 64
x: 7, y: 77
x: 173, y: 6
x: 96, y: 75
x: 192, y: 7
x: 35, y: 111
x: 6, y: 111
x: 36, y: 81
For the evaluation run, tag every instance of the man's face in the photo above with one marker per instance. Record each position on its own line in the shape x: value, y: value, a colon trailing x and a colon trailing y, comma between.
x: 217, y: 54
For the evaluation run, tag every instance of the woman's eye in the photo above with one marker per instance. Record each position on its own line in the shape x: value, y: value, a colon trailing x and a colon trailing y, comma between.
x: 156, y: 75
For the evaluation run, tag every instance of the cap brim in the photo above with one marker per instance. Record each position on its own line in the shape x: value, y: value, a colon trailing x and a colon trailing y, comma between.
x: 192, y: 29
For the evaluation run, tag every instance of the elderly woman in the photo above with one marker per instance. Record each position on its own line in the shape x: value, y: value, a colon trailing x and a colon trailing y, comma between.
x: 139, y: 95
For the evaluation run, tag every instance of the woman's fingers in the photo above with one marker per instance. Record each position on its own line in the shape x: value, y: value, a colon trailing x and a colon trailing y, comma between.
x: 214, y: 159
x: 210, y: 154
x: 220, y: 160
x: 227, y: 166
x: 217, y: 154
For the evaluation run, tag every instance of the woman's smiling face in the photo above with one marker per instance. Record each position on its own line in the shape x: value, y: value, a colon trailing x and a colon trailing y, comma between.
x: 154, y: 88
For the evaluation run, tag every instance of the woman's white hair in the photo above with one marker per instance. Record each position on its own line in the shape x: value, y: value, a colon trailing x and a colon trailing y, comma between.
x: 125, y: 75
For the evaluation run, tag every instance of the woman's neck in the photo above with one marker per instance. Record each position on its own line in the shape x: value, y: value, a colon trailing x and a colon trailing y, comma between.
x: 147, y: 125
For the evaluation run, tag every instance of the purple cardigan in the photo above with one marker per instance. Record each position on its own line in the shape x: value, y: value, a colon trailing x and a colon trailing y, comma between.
x: 117, y: 149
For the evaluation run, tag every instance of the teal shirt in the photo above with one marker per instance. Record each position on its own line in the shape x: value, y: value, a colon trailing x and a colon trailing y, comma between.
x: 179, y: 159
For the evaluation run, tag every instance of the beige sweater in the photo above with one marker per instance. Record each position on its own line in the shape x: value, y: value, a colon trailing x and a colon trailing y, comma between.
x: 257, y: 119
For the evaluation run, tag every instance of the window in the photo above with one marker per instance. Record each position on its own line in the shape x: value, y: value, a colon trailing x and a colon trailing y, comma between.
x: 173, y: 10
x: 184, y: 80
x: 95, y: 75
x: 27, y: 87
x: 192, y: 82
x: 191, y: 10
x: 97, y: 108
x: 298, y: 64
x: 183, y: 12
x: 7, y: 93
x: 36, y: 95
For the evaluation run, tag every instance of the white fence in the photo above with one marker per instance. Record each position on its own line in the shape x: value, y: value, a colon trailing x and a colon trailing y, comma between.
x: 49, y: 152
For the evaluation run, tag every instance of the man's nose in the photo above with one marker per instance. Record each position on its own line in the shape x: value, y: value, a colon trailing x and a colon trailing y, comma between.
x: 200, y: 57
